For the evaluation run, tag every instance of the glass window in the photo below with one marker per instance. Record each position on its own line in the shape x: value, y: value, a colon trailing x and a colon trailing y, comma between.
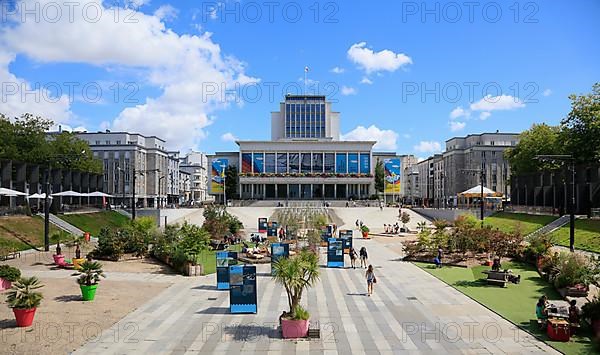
x: 294, y: 189
x: 259, y: 159
x: 329, y: 162
x: 294, y: 163
x: 282, y: 163
x: 246, y: 162
x: 317, y: 162
x: 352, y: 163
x: 305, y: 163
x: 270, y: 163
x: 341, y: 163
x: 365, y: 163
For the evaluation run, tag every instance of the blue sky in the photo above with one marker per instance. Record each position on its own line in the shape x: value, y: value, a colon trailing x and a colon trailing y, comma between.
x: 409, y: 74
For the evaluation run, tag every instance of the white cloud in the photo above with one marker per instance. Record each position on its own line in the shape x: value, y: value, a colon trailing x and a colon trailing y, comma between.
x: 166, y: 13
x: 484, y: 115
x: 459, y: 112
x: 456, y: 126
x: 346, y: 91
x: 497, y: 103
x: 428, y: 147
x: 371, y: 61
x: 366, y: 81
x: 228, y: 137
x: 547, y: 92
x: 182, y: 67
x: 406, y: 136
x: 338, y: 70
x: 386, y: 139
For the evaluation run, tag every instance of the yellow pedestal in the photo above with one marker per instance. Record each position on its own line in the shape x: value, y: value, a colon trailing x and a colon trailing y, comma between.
x: 77, y: 262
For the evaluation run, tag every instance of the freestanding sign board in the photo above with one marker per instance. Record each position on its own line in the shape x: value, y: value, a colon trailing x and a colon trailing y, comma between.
x: 335, y: 252
x: 262, y: 225
x: 224, y: 260
x: 346, y: 236
x: 278, y: 251
x: 242, y: 289
x: 272, y: 229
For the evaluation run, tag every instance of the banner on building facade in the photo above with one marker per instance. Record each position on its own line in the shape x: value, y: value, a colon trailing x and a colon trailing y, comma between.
x: 217, y: 175
x: 392, y: 176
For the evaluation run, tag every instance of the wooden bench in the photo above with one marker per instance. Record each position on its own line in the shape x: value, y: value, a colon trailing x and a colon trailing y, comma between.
x: 497, y: 278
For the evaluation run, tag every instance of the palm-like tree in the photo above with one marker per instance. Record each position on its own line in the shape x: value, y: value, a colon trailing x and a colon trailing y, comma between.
x: 295, y: 274
x: 89, y: 273
x: 22, y: 294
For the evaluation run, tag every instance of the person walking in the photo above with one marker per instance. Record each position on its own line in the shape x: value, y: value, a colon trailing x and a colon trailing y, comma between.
x: 353, y: 257
x: 363, y: 257
x: 371, y: 279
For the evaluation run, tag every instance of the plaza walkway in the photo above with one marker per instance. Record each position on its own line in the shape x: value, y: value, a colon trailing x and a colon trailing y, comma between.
x: 410, y: 312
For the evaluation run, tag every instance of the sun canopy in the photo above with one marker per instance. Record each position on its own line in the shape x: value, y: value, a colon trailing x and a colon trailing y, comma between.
x: 68, y: 194
x: 42, y: 196
x: 9, y: 192
x: 476, y: 192
x: 97, y: 194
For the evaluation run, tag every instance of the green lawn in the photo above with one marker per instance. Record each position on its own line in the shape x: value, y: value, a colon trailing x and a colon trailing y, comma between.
x: 23, y: 232
x: 515, y: 302
x: 209, y: 259
x: 587, y: 235
x: 509, y: 222
x: 94, y: 222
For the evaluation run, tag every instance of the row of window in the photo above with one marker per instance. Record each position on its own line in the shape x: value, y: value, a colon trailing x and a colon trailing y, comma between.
x: 281, y: 163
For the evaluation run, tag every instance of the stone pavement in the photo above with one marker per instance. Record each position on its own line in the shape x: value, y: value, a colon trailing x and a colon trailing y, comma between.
x: 410, y: 312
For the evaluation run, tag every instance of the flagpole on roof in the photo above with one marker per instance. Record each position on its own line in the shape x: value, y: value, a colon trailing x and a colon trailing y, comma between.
x: 306, y: 69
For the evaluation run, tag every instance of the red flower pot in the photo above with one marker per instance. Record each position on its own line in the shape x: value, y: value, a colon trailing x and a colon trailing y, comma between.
x: 4, y: 284
x: 59, y: 259
x: 24, y: 317
x: 365, y: 235
x: 294, y: 328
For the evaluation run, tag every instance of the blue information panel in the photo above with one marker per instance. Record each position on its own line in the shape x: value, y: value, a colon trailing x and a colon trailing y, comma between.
x: 224, y: 260
x: 272, y: 229
x: 278, y: 251
x: 335, y: 252
x: 346, y: 236
x: 242, y: 290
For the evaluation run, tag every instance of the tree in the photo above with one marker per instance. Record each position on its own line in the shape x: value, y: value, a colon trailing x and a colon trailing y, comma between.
x: 581, y: 127
x: 231, y: 182
x: 405, y: 218
x: 295, y: 274
x: 73, y: 153
x: 540, y: 139
x: 379, y: 176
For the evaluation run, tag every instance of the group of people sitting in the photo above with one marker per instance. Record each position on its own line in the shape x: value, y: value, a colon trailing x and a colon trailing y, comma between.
x: 391, y: 228
x: 544, y: 307
x: 496, y: 266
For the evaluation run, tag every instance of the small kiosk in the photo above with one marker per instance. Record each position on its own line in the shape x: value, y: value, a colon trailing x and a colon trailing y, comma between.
x: 242, y: 289
x: 224, y: 260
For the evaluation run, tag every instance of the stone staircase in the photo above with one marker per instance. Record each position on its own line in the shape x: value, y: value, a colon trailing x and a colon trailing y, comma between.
x: 123, y: 212
x: 551, y: 227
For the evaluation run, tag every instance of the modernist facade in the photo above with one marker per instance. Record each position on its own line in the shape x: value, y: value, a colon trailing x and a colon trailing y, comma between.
x: 305, y: 158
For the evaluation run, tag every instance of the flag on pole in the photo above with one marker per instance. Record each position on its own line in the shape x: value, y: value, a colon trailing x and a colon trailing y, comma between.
x: 306, y: 69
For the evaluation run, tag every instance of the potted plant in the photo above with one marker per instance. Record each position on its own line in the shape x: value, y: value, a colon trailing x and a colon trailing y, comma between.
x: 8, y: 275
x: 24, y: 300
x: 295, y: 274
x: 365, y: 231
x: 89, y: 275
x: 591, y: 310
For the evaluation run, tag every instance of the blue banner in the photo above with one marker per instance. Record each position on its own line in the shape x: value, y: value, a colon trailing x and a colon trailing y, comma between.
x: 346, y: 236
x: 278, y: 251
x: 335, y: 252
x: 224, y: 260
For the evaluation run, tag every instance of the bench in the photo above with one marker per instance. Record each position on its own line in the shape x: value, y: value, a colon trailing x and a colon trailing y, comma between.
x: 497, y: 278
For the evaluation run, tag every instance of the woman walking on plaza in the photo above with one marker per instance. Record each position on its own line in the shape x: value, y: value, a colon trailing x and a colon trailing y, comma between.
x: 353, y: 257
x: 371, y: 279
x: 363, y: 257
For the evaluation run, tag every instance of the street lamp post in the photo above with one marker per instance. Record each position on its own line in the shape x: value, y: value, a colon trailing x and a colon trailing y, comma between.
x: 133, y: 189
x: 566, y: 158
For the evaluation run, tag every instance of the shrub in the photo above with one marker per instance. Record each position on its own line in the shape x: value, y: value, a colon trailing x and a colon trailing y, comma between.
x: 300, y: 313
x: 591, y: 310
x: 569, y: 269
x: 9, y: 273
x: 22, y: 294
x: 364, y: 229
x: 540, y: 244
x: 295, y: 274
x: 110, y: 245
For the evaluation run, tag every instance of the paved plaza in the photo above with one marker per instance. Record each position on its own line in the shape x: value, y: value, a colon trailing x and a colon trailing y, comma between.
x: 410, y: 312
